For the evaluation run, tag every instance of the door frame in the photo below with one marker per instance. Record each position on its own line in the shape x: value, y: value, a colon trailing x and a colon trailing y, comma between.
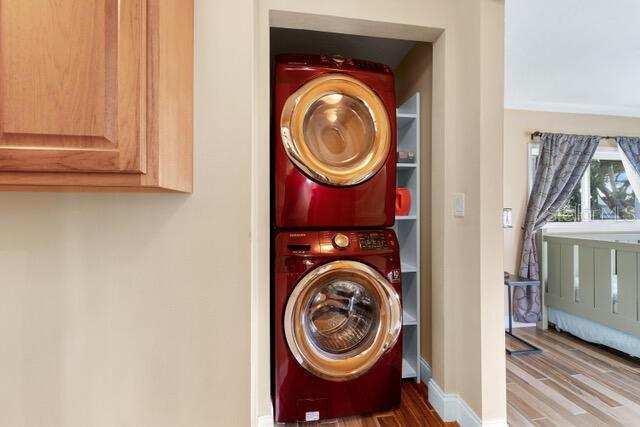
x: 265, y: 18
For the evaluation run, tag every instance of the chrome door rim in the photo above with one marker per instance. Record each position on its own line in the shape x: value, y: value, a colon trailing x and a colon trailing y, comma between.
x: 292, y: 130
x: 387, y: 333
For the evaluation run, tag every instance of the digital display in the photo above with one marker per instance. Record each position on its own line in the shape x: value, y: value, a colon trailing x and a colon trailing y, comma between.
x: 373, y: 240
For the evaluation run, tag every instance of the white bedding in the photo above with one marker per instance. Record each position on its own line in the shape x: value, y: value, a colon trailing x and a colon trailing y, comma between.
x: 595, y: 332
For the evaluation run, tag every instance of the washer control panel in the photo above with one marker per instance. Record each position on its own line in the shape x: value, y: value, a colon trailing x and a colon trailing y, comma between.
x: 351, y: 242
x: 373, y: 240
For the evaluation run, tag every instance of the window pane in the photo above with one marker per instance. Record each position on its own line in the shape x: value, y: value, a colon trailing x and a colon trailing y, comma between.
x: 571, y: 211
x: 612, y: 197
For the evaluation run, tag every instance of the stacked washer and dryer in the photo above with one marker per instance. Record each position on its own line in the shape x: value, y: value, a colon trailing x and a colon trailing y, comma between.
x: 337, y: 315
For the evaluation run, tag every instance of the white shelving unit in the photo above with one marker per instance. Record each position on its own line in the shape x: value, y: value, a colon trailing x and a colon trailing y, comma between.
x: 407, y: 229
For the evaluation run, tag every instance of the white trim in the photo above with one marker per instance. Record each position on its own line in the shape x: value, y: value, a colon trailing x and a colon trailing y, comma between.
x: 425, y: 371
x: 466, y: 416
x: 444, y: 404
x: 532, y: 152
x: 265, y: 421
x: 585, y: 196
x: 603, y: 226
x: 452, y: 407
x: 559, y: 107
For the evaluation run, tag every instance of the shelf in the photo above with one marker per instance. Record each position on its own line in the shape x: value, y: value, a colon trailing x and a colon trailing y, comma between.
x: 407, y: 228
x: 405, y: 120
x: 408, y: 320
x: 410, y: 106
x: 407, y: 268
x: 407, y: 370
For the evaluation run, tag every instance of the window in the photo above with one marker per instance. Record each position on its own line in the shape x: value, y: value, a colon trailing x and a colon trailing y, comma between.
x: 611, y: 195
x: 572, y: 209
x: 603, y: 196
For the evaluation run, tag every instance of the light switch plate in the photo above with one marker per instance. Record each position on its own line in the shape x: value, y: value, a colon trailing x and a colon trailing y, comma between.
x: 458, y: 205
x: 507, y: 218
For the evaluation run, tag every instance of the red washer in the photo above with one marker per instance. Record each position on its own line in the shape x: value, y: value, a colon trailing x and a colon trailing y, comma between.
x: 337, y: 324
x: 334, y: 143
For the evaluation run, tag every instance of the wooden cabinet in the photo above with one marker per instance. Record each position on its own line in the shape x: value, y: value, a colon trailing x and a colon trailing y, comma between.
x: 96, y: 94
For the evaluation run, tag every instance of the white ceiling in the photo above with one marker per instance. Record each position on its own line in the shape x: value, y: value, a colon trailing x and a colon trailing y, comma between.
x: 580, y: 56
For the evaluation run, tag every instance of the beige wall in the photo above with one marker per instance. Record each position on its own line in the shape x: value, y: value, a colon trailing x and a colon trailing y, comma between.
x: 134, y: 309
x: 142, y: 309
x: 518, y: 126
x: 415, y: 74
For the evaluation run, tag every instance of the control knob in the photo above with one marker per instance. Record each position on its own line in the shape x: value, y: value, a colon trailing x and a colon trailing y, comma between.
x: 340, y: 241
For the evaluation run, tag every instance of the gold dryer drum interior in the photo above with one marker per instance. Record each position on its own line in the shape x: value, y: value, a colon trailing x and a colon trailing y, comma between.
x: 341, y: 318
x: 336, y: 130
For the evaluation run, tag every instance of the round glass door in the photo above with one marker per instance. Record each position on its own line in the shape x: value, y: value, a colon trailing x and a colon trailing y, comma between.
x: 336, y: 130
x: 341, y: 318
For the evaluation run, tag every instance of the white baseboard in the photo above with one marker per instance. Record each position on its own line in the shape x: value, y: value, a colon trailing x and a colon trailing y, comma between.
x: 425, y: 371
x: 451, y: 407
x: 444, y: 404
x: 265, y: 421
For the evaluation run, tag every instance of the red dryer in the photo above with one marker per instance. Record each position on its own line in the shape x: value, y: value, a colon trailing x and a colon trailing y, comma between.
x: 335, y: 143
x: 337, y: 324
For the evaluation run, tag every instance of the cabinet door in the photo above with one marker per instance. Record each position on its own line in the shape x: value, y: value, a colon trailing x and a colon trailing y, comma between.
x: 72, y: 85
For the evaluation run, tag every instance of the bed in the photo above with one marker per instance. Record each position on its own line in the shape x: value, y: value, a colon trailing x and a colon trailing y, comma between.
x: 590, y: 284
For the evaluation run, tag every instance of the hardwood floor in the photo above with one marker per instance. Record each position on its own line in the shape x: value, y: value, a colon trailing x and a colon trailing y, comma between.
x: 572, y: 383
x: 414, y: 411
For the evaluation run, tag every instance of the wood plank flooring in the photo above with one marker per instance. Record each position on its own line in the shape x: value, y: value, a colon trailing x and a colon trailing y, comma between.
x: 414, y: 411
x: 572, y: 383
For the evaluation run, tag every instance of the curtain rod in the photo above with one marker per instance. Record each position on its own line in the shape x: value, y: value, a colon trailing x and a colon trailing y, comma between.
x: 537, y: 134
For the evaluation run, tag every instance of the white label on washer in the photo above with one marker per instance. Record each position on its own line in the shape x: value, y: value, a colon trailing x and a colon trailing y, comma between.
x: 312, y: 416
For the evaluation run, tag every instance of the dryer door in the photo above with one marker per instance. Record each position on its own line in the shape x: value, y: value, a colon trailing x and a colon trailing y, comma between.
x: 336, y: 130
x: 341, y: 318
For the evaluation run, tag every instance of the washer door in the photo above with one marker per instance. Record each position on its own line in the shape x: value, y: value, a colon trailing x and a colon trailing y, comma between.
x: 336, y: 130
x: 341, y: 318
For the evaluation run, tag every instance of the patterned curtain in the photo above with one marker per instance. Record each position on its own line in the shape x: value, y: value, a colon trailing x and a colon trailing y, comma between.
x: 630, y: 156
x: 630, y: 146
x: 562, y: 161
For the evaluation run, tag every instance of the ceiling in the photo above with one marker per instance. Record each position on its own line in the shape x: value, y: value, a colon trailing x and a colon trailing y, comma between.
x: 385, y: 51
x: 580, y: 56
